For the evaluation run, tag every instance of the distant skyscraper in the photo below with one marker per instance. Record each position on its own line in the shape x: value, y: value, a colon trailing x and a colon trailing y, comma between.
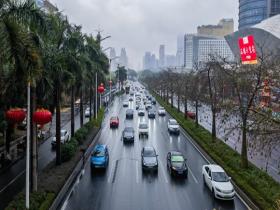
x: 113, y: 61
x: 123, y: 58
x: 252, y: 12
x: 224, y: 27
x: 147, y: 60
x: 170, y: 60
x: 161, y: 56
x: 180, y: 51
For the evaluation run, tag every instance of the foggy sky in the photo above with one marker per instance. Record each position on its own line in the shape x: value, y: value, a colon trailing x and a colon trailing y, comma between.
x: 142, y: 25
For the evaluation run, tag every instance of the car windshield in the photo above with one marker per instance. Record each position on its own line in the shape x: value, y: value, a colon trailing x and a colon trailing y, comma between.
x: 177, y: 158
x: 220, y: 177
x: 173, y: 122
x: 128, y: 130
x: 143, y: 126
x: 149, y: 153
x: 62, y: 133
x: 99, y: 153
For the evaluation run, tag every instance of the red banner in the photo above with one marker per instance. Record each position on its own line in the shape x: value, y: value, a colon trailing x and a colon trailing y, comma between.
x: 247, y: 48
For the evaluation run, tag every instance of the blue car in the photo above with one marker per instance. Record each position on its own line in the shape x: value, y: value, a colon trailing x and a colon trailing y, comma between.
x: 100, y: 156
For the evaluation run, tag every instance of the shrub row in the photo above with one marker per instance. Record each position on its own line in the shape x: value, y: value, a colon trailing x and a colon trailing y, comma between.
x: 38, y: 201
x: 69, y: 149
x: 258, y: 185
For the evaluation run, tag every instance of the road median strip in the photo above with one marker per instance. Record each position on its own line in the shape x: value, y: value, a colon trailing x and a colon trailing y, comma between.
x: 263, y: 191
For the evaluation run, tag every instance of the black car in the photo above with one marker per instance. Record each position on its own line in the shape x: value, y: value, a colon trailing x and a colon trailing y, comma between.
x: 128, y: 135
x: 176, y: 164
x: 151, y: 114
x: 149, y: 159
x: 154, y: 101
x: 129, y: 114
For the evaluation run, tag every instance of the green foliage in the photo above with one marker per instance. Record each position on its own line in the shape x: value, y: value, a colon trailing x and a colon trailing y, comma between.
x: 81, y: 134
x: 68, y: 150
x: 258, y: 185
x: 38, y: 201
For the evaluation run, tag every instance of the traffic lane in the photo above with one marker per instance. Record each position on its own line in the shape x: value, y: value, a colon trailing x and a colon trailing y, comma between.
x: 195, y: 162
x: 125, y: 188
x: 91, y: 188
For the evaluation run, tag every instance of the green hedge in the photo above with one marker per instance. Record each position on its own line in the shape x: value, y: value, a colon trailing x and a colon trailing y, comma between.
x: 69, y: 149
x: 38, y: 201
x: 258, y: 185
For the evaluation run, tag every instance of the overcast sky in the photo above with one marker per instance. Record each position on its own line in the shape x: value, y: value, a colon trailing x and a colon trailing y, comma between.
x: 142, y: 25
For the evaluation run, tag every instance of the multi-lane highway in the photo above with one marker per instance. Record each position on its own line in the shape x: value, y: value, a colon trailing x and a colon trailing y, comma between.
x: 124, y: 186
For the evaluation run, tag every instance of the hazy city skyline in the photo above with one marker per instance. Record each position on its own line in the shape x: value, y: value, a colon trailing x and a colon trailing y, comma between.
x: 142, y: 25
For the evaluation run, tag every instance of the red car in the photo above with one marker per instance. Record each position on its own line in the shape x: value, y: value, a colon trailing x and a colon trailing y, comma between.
x: 191, y: 115
x: 114, y: 122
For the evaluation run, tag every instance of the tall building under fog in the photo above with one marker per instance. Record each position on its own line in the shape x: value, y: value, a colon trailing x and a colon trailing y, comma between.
x: 161, y: 56
x: 123, y: 60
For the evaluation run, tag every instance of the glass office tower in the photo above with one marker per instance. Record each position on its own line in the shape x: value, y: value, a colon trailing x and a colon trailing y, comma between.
x: 252, y: 12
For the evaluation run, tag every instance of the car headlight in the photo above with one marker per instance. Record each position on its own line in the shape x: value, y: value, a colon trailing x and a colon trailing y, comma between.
x: 218, y: 189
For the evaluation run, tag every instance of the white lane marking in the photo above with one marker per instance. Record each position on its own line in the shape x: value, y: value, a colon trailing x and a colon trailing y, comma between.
x: 137, y: 173
x: 193, y: 176
x: 164, y: 175
x: 12, y: 181
x: 188, y: 138
x: 111, y: 172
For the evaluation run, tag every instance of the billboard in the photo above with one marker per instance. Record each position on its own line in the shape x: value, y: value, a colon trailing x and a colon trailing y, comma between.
x: 247, y: 48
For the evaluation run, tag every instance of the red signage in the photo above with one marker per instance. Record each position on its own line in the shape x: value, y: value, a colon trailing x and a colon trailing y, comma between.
x: 247, y: 48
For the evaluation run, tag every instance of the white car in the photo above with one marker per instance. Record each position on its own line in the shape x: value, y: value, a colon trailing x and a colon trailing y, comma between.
x: 143, y: 129
x: 148, y: 105
x: 64, y: 137
x: 141, y: 111
x: 161, y: 111
x: 87, y: 112
x: 125, y: 104
x: 218, y: 182
x: 173, y: 126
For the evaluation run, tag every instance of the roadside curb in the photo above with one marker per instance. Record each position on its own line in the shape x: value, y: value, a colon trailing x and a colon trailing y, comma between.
x: 66, y: 189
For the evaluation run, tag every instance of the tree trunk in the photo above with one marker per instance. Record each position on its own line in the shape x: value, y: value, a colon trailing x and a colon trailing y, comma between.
x: 72, y: 110
x: 244, y: 158
x: 213, y: 124
x: 186, y: 108
x: 172, y: 99
x: 81, y: 108
x: 178, y: 103
x: 58, y: 125
x: 196, y: 113
x: 90, y: 101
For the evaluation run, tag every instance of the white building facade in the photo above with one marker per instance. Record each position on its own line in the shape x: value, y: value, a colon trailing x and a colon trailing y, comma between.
x: 214, y: 47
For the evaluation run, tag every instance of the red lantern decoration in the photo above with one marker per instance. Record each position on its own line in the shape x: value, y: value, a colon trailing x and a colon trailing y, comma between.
x: 15, y: 115
x: 100, y: 89
x: 42, y: 116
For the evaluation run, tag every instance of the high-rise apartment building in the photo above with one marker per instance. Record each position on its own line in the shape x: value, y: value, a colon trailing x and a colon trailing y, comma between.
x: 252, y: 12
x: 150, y: 61
x: 198, y: 48
x: 113, y: 61
x: 180, y: 51
x: 123, y: 60
x: 161, y: 56
x: 218, y: 48
x: 224, y: 27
